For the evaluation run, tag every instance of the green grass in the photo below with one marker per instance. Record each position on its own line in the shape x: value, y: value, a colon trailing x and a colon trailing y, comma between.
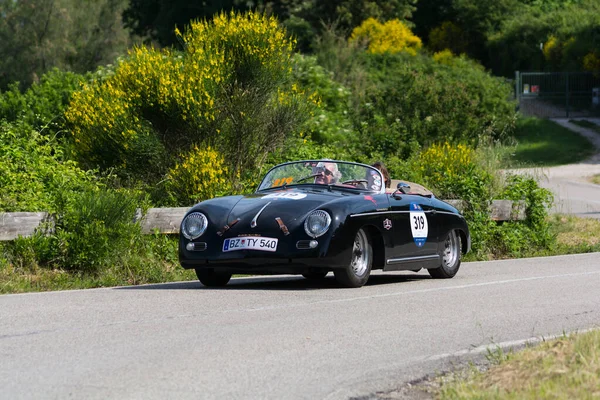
x: 595, y: 179
x: 151, y: 260
x: 565, y: 368
x: 541, y: 142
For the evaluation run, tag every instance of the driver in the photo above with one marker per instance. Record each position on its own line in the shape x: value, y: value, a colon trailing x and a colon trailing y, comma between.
x: 327, y: 173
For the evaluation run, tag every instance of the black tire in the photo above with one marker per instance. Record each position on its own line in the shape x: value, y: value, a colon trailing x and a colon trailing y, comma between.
x: 451, y: 254
x: 357, y: 273
x: 315, y: 276
x: 210, y: 278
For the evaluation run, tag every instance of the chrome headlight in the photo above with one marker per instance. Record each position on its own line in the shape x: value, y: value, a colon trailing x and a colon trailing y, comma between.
x: 317, y: 223
x: 194, y: 225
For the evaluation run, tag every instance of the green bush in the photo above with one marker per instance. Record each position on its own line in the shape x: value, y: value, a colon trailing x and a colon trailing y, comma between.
x: 43, y: 104
x: 568, y: 34
x: 90, y: 231
x: 428, y: 101
x: 94, y: 229
x: 34, y: 170
x: 330, y: 122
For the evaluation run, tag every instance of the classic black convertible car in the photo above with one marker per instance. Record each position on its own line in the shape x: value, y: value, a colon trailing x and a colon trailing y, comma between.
x: 316, y: 216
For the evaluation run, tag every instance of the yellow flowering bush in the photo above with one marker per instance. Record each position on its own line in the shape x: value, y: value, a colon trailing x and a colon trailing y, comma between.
x: 454, y: 171
x: 201, y: 174
x: 230, y: 86
x: 551, y: 48
x: 391, y: 37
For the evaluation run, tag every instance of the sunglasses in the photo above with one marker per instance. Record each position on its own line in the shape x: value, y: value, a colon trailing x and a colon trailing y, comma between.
x: 325, y: 171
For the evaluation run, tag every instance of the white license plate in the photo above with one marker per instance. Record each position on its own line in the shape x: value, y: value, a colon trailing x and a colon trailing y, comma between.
x: 250, y: 243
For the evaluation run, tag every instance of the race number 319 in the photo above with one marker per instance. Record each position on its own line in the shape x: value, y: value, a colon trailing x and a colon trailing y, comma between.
x: 418, y: 224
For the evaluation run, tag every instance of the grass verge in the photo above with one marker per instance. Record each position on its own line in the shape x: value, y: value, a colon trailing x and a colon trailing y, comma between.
x: 541, y: 142
x: 595, y: 179
x: 153, y: 261
x: 565, y: 368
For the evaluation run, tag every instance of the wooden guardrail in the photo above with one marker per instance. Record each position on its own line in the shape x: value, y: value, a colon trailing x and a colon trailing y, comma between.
x: 167, y: 220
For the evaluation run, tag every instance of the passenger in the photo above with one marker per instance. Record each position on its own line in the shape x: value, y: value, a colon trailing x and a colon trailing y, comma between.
x: 386, y: 176
x: 328, y: 173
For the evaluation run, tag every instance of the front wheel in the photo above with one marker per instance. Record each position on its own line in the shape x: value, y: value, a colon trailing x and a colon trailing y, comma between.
x: 357, y: 273
x: 450, y: 257
x: 209, y: 277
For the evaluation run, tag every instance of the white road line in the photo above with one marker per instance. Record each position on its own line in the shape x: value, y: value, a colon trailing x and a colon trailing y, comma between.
x: 419, y: 291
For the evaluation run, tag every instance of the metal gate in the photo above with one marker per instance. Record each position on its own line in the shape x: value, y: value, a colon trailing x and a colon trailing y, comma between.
x: 558, y: 94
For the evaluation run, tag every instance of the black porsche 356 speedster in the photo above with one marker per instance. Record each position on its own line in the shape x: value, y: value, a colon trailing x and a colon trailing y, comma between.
x: 315, y: 216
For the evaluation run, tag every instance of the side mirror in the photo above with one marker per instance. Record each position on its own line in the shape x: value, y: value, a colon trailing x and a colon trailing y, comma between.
x: 403, y: 187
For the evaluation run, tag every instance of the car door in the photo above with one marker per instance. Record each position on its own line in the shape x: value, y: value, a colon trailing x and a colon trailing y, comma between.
x: 415, y: 226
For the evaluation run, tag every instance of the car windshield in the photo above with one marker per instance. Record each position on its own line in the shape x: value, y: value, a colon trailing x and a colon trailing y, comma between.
x: 324, y: 172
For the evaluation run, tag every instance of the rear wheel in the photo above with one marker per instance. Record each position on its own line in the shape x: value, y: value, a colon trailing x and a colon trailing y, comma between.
x: 357, y: 273
x: 209, y: 277
x: 450, y: 257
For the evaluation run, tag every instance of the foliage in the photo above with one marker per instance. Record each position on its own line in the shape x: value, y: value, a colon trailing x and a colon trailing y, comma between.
x: 330, y: 122
x: 416, y: 99
x: 34, y: 170
x: 38, y: 35
x: 230, y: 88
x: 537, y: 201
x: 454, y: 172
x: 564, y: 368
x: 91, y: 230
x: 157, y: 19
x: 43, y: 104
x: 448, y: 36
x: 567, y: 34
x: 392, y: 36
x: 305, y: 19
x: 153, y: 259
x: 202, y: 174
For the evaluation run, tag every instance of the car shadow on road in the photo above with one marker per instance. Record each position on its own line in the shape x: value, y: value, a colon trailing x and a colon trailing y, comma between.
x: 295, y: 283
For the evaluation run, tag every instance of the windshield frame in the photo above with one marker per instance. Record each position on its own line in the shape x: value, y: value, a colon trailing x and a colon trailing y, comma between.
x: 317, y: 185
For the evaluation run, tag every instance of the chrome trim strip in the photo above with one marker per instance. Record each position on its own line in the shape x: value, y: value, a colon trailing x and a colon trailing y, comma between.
x: 411, y: 259
x: 446, y: 212
x: 378, y: 213
x: 398, y: 212
x: 253, y: 222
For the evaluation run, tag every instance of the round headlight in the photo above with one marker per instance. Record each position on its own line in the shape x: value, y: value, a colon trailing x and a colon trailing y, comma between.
x: 194, y: 225
x: 317, y: 223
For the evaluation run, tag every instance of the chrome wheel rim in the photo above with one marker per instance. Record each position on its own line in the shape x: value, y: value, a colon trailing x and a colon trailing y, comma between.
x: 451, y: 249
x: 360, y: 254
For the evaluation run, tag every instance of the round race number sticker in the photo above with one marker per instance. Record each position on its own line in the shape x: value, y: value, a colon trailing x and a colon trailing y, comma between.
x: 418, y: 224
x: 285, y: 195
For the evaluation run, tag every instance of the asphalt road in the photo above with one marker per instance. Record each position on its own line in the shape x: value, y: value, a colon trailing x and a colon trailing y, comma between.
x: 283, y: 337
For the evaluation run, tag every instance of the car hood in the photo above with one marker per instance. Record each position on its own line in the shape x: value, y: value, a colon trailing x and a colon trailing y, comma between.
x: 291, y: 206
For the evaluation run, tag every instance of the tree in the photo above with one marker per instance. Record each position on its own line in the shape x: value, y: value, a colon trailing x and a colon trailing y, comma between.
x: 37, y: 35
x: 157, y: 19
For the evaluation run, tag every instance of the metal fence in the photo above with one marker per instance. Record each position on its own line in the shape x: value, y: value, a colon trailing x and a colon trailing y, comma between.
x: 558, y: 94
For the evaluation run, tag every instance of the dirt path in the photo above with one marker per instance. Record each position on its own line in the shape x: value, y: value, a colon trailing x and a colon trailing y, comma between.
x: 573, y: 192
